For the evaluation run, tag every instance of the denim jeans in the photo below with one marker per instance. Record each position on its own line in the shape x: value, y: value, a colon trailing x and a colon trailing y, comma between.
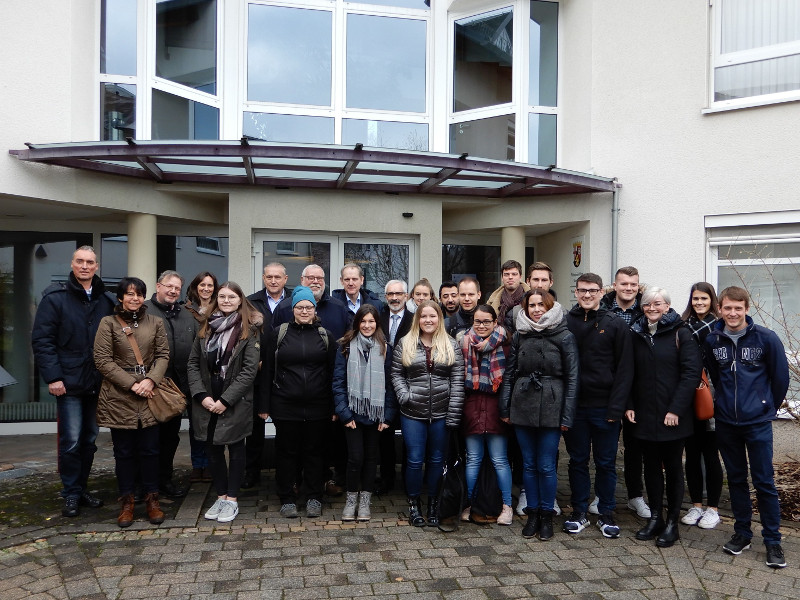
x: 136, y: 450
x: 498, y: 452
x: 592, y: 434
x: 738, y: 444
x: 77, y: 433
x: 426, y: 444
x: 539, y: 447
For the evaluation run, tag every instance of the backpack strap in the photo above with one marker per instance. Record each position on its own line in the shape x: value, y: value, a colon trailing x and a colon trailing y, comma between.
x: 284, y: 327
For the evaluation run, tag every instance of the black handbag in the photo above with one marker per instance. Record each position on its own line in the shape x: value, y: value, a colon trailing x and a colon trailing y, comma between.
x: 487, y: 500
x: 452, y: 491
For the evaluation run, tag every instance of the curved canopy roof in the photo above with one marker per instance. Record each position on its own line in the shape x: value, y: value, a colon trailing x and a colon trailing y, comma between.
x: 249, y: 162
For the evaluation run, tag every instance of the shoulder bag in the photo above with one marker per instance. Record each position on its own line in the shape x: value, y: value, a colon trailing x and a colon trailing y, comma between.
x: 703, y: 399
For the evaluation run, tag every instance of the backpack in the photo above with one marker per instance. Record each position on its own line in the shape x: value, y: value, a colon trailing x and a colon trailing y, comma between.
x: 284, y: 327
x: 487, y: 501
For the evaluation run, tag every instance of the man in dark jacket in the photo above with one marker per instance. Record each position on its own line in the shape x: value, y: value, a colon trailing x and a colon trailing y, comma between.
x: 469, y: 292
x: 181, y: 328
x: 748, y: 367
x: 606, y: 376
x: 353, y: 293
x: 266, y: 301
x: 62, y: 340
x: 625, y: 300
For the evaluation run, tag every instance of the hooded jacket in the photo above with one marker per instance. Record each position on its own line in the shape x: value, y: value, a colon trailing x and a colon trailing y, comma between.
x: 667, y: 372
x: 606, y: 359
x: 750, y: 378
x: 63, y: 334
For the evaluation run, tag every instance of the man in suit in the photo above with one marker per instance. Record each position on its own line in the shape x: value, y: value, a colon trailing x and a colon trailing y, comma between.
x: 353, y: 293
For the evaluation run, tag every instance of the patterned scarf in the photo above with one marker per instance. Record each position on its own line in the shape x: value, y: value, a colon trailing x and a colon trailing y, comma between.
x: 549, y: 320
x: 366, y: 378
x: 225, y: 333
x: 484, y: 360
x: 509, y: 301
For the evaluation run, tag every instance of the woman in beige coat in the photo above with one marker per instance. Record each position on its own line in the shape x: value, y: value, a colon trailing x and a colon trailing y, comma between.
x: 122, y: 405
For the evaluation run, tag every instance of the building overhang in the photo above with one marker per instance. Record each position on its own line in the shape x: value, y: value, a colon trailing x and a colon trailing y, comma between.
x: 256, y: 163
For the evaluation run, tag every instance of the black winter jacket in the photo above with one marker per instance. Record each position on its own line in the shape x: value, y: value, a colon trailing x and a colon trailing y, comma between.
x: 667, y: 372
x: 460, y: 321
x: 341, y: 396
x: 540, y: 388
x: 63, y: 334
x: 428, y: 396
x: 367, y: 297
x: 181, y: 329
x: 297, y: 385
x: 606, y: 359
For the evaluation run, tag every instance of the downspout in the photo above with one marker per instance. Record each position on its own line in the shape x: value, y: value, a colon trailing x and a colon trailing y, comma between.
x: 614, y: 225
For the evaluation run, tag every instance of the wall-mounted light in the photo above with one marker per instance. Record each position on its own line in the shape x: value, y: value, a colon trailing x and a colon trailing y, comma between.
x: 408, y: 215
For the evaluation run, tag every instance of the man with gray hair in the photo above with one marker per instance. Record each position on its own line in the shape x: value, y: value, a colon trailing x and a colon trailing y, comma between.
x: 353, y: 293
x: 181, y: 328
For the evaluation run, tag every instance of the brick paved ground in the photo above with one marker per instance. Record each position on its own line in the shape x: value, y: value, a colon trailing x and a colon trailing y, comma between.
x: 260, y: 555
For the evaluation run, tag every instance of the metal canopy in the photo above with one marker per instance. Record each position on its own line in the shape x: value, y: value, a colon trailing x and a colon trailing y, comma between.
x: 249, y: 162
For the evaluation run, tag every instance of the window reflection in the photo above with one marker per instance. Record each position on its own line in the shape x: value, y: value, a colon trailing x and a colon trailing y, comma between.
x: 118, y: 37
x: 381, y: 263
x: 186, y: 43
x: 385, y: 134
x: 543, y: 58
x: 483, y: 58
x: 541, y: 139
x: 176, y: 118
x: 385, y: 63
x: 288, y: 128
x: 490, y: 138
x: 117, y: 111
x: 289, y: 54
x: 421, y: 4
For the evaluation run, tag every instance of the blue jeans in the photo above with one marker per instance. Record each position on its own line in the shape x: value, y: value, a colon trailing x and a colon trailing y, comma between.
x: 592, y: 434
x: 738, y: 444
x: 539, y: 447
x: 77, y: 433
x: 498, y: 452
x: 426, y: 445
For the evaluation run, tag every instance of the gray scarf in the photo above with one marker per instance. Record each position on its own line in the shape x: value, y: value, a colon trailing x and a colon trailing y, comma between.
x: 366, y: 378
x: 549, y: 320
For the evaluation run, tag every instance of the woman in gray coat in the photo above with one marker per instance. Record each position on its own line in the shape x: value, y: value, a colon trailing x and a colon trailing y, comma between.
x: 222, y: 368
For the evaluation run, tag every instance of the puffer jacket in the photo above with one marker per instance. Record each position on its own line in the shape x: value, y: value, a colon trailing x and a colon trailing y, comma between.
x: 427, y: 396
x: 667, y: 368
x: 117, y: 406
x: 541, y: 383
x: 236, y: 422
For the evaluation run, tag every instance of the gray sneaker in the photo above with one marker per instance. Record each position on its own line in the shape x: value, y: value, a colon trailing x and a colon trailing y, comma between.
x: 229, y: 511
x: 313, y: 508
x: 364, y: 512
x: 289, y: 511
x: 350, y: 504
x: 213, y: 513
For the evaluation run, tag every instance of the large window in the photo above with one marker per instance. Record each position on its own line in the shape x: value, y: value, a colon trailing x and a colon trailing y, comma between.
x: 756, y: 51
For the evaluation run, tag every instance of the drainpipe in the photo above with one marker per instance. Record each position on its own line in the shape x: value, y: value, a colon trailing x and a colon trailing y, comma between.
x: 614, y: 225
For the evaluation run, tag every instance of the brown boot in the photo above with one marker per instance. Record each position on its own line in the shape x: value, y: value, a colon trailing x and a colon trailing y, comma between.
x: 125, y: 517
x: 154, y: 512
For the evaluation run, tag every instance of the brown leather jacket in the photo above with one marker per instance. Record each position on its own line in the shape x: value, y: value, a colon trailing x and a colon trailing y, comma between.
x: 117, y: 406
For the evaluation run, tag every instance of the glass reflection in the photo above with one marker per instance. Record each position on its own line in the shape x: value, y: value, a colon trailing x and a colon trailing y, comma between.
x: 288, y: 128
x: 176, y: 118
x: 385, y: 63
x: 385, y: 134
x: 186, y: 43
x: 770, y: 76
x: 297, y: 255
x: 541, y: 139
x: 543, y: 57
x: 117, y: 111
x: 483, y: 59
x: 381, y: 263
x: 289, y: 54
x: 489, y: 138
x: 421, y: 4
x: 118, y: 37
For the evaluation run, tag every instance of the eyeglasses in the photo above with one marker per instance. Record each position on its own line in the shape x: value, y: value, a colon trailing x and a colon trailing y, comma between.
x: 658, y: 304
x: 483, y: 323
x: 586, y: 292
x: 304, y: 308
x: 172, y: 288
x: 314, y: 277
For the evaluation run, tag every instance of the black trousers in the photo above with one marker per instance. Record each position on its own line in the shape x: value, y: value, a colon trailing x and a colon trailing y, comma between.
x: 136, y: 449
x: 632, y: 461
x: 227, y: 476
x: 300, y: 446
x: 664, y: 459
x: 362, y: 457
x: 169, y: 438
x: 254, y: 443
x: 701, y: 447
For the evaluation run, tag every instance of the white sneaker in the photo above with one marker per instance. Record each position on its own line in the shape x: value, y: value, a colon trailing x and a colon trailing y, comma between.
x: 506, y: 517
x: 229, y: 511
x: 709, y: 520
x: 693, y: 516
x: 593, y: 506
x: 639, y: 506
x: 466, y: 513
x: 213, y: 512
x: 522, y: 504
x: 556, y: 507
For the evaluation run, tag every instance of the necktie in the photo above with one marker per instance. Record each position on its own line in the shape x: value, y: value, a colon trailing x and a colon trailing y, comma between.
x: 393, y: 328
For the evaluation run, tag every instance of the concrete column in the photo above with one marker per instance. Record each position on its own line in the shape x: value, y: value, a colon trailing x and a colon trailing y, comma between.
x: 512, y: 245
x: 142, y: 249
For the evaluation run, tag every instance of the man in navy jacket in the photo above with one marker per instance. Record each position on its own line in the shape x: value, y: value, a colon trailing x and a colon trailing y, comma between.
x: 62, y: 340
x: 353, y: 293
x: 748, y: 367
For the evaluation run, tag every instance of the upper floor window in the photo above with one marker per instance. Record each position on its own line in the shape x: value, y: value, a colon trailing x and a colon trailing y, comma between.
x: 186, y: 43
x: 756, y: 51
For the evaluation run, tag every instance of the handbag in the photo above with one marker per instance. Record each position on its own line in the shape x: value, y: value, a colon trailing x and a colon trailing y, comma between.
x: 452, y: 487
x: 167, y: 401
x: 486, y: 501
x: 703, y: 400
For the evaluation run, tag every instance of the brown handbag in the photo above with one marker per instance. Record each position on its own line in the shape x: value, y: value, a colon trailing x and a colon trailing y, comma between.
x: 167, y: 401
x: 703, y: 400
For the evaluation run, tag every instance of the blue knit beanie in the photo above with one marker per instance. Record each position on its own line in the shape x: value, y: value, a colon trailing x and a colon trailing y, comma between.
x: 302, y: 292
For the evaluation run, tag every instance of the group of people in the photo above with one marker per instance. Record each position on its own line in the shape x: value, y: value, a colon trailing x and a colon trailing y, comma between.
x: 338, y: 373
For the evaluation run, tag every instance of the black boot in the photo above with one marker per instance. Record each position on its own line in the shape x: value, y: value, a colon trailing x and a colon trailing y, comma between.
x: 534, y: 524
x: 415, y: 517
x: 654, y: 526
x: 670, y: 535
x: 433, y: 512
x: 546, y: 529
